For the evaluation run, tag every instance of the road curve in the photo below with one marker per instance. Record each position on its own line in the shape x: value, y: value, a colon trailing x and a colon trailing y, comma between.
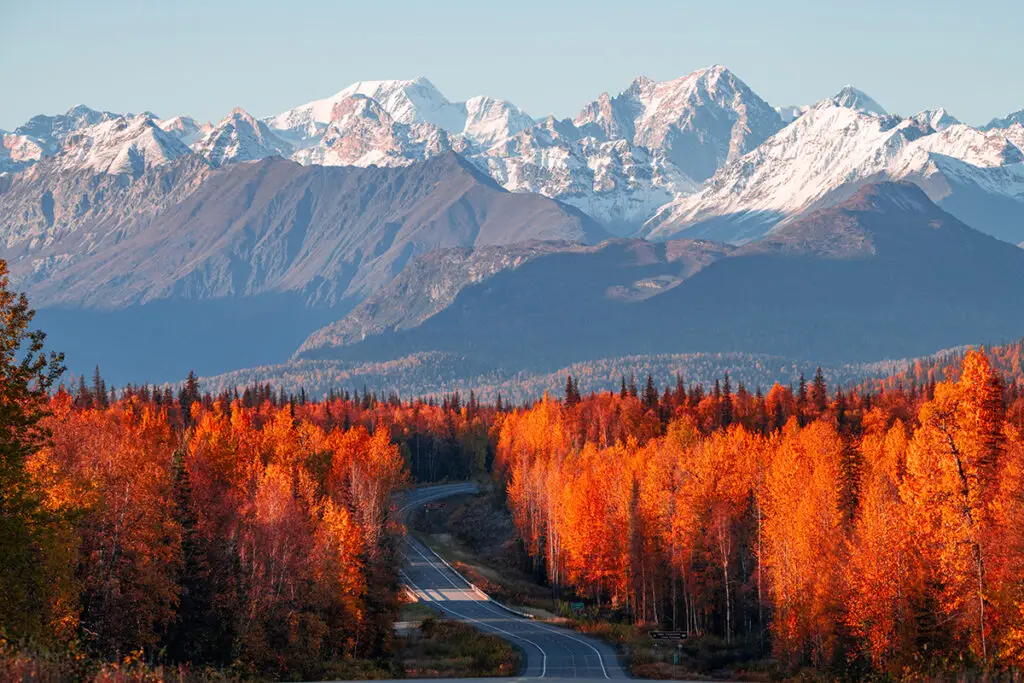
x: 549, y: 651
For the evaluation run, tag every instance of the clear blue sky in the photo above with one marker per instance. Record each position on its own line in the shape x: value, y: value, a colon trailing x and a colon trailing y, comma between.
x: 204, y: 57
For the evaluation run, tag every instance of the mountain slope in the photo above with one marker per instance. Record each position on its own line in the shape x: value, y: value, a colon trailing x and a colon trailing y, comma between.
x: 431, y: 283
x: 700, y: 121
x: 1007, y: 121
x: 273, y: 226
x: 237, y: 137
x: 824, y: 155
x: 884, y: 274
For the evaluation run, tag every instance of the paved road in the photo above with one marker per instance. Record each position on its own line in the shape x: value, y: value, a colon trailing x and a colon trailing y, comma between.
x: 549, y: 651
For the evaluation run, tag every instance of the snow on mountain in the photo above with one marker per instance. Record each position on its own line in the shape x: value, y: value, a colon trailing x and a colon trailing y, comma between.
x: 1015, y: 134
x: 939, y: 119
x: 362, y: 133
x: 122, y: 145
x: 858, y: 100
x: 612, y: 180
x: 826, y: 153
x: 19, y: 151
x: 701, y: 121
x: 1007, y: 121
x: 985, y: 149
x: 239, y: 136
x: 484, y: 121
x: 489, y: 121
x: 53, y: 130
x: 185, y: 128
x: 791, y: 112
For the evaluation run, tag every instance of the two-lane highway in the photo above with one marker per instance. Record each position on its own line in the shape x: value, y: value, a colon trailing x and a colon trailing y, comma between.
x: 549, y: 651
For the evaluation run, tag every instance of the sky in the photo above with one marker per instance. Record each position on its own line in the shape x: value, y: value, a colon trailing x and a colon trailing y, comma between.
x: 203, y: 58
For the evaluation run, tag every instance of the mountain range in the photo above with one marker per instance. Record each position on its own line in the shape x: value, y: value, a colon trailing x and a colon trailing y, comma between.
x: 368, y: 226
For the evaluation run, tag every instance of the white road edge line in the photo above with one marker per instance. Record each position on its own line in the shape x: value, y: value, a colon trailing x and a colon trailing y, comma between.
x: 544, y: 627
x: 483, y: 627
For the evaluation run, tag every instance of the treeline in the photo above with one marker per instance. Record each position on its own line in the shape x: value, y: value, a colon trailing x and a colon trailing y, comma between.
x: 853, y: 531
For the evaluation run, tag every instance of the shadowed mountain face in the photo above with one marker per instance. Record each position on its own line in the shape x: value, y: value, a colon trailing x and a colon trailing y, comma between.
x: 884, y: 274
x: 269, y: 226
x: 268, y: 231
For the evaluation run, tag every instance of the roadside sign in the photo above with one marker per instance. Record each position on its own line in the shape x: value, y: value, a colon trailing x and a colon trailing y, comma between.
x: 576, y: 606
x: 668, y: 635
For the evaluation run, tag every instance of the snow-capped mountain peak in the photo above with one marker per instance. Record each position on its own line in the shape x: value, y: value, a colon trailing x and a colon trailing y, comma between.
x: 852, y: 98
x: 185, y: 128
x: 362, y: 133
x: 122, y: 145
x: 1007, y: 121
x: 824, y: 154
x: 489, y: 120
x: 701, y: 120
x: 483, y: 121
x: 939, y: 119
x: 240, y: 136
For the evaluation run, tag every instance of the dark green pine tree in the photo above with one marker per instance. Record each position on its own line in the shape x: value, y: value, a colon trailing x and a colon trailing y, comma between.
x: 188, y: 395
x: 726, y: 402
x: 801, y: 400
x: 83, y: 398
x: 99, y: 389
x: 572, y: 396
x: 840, y: 409
x: 193, y: 634
x: 623, y: 392
x: 27, y: 529
x: 819, y: 393
x: 650, y: 393
x: 632, y: 386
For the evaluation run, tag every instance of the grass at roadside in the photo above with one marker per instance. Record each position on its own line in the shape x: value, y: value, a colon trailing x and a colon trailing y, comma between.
x: 450, y: 649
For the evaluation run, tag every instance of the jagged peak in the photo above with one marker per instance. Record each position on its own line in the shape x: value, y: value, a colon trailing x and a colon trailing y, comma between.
x: 854, y: 98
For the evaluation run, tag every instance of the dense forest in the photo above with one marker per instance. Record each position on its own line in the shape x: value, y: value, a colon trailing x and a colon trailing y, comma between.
x: 854, y: 532
x: 871, y: 530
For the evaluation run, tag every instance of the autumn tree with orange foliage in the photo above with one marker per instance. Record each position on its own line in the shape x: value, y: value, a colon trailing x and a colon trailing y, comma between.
x: 859, y: 532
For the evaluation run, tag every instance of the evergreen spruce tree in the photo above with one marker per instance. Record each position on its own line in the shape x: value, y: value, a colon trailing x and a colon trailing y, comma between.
x: 726, y: 402
x: 99, y: 389
x: 801, y: 400
x: 27, y: 529
x: 650, y: 393
x: 819, y: 392
x: 191, y: 636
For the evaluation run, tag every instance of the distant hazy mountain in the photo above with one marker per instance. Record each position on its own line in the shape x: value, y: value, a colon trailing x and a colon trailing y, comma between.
x: 884, y: 274
x: 432, y: 283
x: 1006, y: 121
x: 321, y: 238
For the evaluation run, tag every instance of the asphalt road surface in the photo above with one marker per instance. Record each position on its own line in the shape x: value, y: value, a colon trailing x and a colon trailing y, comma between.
x: 549, y: 651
